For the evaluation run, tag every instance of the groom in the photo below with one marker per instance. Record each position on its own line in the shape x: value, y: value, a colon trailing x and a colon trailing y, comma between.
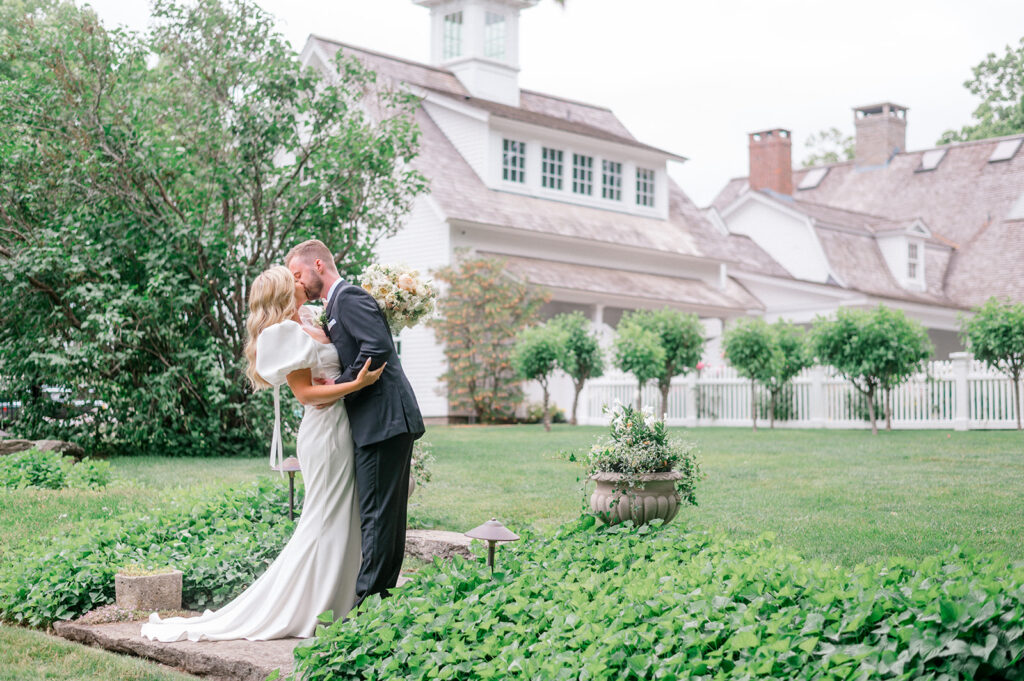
x: 384, y: 417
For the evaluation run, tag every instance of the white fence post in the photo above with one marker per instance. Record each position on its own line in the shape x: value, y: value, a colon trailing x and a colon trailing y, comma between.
x: 690, y: 400
x: 817, y: 394
x: 961, y: 369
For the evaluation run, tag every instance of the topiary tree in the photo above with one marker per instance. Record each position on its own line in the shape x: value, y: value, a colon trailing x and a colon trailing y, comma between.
x: 680, y: 337
x: 638, y: 351
x: 792, y: 358
x: 535, y: 357
x: 478, y: 318
x: 750, y: 347
x: 582, y: 357
x: 873, y: 349
x: 995, y: 334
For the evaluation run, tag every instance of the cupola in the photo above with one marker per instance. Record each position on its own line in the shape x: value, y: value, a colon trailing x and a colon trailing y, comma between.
x: 478, y: 41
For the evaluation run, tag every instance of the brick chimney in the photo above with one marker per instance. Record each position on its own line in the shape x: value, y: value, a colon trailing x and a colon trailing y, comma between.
x: 771, y: 161
x: 881, y: 132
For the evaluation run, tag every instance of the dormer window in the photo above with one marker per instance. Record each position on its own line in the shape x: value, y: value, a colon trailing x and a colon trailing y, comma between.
x: 611, y: 180
x: 582, y: 174
x: 551, y: 169
x: 645, y: 187
x: 452, y: 35
x: 494, y: 36
x: 513, y: 161
x: 913, y: 260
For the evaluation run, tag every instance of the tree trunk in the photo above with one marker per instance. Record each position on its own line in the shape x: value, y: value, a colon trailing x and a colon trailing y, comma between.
x: 1016, y: 397
x: 871, y: 410
x: 888, y: 409
x: 753, y: 403
x: 771, y: 414
x: 547, y: 415
x: 665, y: 387
x: 639, y: 395
x: 576, y: 400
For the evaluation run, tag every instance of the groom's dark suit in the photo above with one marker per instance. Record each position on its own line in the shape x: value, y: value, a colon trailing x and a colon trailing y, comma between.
x: 385, y: 421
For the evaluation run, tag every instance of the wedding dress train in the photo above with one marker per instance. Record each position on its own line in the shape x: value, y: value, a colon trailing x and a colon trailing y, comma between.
x: 316, y: 571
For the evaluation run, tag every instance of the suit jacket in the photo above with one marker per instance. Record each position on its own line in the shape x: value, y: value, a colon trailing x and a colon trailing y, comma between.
x: 358, y: 330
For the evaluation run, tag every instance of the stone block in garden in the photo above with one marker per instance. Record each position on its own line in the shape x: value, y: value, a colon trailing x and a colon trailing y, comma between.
x: 14, y: 445
x: 148, y: 592
x: 65, y: 448
x: 426, y: 544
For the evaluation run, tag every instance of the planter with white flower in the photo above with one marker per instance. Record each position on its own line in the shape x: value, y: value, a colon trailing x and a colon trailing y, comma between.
x: 641, y: 474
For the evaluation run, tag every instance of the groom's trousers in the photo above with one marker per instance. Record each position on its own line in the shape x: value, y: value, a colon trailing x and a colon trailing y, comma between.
x: 382, y: 479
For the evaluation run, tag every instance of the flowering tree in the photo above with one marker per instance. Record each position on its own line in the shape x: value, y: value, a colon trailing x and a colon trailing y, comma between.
x: 478, y: 319
x: 581, y: 357
x: 995, y: 334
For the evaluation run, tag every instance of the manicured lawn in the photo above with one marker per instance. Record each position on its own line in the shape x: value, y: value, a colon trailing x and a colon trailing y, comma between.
x: 33, y: 656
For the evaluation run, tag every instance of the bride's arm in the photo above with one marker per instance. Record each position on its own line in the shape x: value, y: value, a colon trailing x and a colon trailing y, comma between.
x: 301, y: 383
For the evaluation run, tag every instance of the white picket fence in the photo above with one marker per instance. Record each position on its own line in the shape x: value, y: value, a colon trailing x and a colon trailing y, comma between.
x: 961, y: 394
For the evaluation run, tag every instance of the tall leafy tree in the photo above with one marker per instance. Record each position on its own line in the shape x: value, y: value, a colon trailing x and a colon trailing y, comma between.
x: 582, y: 357
x: 479, y: 316
x: 828, y: 146
x: 999, y: 81
x: 679, y: 336
x: 793, y: 357
x: 752, y: 351
x: 535, y: 358
x: 872, y: 348
x: 995, y: 334
x: 637, y: 350
x: 146, y: 180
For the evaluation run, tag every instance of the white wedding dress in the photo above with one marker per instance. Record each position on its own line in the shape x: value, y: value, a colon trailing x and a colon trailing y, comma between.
x: 316, y: 571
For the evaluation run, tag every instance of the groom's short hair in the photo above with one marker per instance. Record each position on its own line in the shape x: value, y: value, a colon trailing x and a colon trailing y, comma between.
x: 311, y: 250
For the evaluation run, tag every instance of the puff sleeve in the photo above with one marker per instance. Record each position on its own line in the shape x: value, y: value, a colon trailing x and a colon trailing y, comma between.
x: 282, y: 349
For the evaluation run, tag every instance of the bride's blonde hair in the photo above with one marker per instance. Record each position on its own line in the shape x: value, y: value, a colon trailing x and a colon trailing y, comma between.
x: 271, y: 301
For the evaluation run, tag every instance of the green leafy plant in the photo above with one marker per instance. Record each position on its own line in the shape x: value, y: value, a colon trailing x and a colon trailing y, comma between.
x: 147, y: 178
x: 535, y: 357
x: 422, y: 461
x: 582, y: 357
x: 479, y: 316
x: 666, y: 602
x: 89, y: 474
x: 51, y: 470
x: 874, y: 349
x: 658, y: 345
x: 638, y: 444
x: 221, y: 545
x: 995, y: 334
x: 535, y: 414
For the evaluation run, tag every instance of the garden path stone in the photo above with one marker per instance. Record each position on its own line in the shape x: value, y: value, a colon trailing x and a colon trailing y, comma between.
x: 234, y: 660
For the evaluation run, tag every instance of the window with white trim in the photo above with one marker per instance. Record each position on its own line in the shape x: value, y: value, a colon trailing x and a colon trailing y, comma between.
x: 452, y: 45
x: 611, y: 180
x: 513, y: 161
x: 494, y: 36
x: 582, y: 174
x: 645, y: 187
x: 551, y: 168
x: 913, y: 260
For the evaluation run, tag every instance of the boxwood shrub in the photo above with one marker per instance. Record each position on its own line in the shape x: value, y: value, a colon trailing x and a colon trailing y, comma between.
x: 221, y: 545
x: 668, y: 603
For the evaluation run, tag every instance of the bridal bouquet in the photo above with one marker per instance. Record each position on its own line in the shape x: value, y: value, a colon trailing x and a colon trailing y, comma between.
x: 402, y: 294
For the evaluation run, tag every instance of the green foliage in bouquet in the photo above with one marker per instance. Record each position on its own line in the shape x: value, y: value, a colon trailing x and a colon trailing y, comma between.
x: 668, y: 602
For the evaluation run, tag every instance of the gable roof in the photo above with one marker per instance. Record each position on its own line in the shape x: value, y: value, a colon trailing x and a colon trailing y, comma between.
x: 965, y: 201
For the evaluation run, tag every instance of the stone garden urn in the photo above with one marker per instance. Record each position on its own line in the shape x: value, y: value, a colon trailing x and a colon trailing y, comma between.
x: 150, y: 592
x: 655, y: 497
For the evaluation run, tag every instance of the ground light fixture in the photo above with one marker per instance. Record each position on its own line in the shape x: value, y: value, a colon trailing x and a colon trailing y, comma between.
x: 291, y: 467
x: 492, y: 532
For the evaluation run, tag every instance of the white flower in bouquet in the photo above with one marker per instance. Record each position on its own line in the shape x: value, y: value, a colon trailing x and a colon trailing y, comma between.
x: 403, y: 295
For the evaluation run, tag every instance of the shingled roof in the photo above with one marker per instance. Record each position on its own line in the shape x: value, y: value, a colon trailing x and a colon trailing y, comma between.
x: 966, y: 201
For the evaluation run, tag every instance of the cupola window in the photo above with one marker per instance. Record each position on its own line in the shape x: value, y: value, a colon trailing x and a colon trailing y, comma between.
x: 452, y: 35
x: 494, y: 36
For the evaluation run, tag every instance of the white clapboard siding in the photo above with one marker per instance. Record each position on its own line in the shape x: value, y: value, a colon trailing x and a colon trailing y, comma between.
x: 468, y: 135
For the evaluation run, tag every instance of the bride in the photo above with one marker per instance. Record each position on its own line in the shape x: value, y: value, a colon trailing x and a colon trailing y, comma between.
x: 316, y: 571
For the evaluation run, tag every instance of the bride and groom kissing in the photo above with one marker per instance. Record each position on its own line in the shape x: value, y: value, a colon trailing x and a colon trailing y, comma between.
x: 354, y: 446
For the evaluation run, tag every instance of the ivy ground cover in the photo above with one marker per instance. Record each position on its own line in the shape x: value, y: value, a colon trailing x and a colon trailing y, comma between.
x: 669, y: 603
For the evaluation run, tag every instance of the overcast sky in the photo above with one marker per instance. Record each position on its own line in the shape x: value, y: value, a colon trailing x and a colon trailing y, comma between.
x: 695, y: 76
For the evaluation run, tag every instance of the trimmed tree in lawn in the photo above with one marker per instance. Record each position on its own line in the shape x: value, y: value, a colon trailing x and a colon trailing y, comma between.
x: 753, y: 352
x: 995, y: 334
x: 478, y: 318
x: 535, y: 358
x: 638, y: 351
x: 679, y: 336
x: 794, y: 357
x: 582, y: 357
x: 874, y: 349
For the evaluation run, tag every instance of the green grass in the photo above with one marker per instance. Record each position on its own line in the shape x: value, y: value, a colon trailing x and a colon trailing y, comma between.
x: 33, y: 656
